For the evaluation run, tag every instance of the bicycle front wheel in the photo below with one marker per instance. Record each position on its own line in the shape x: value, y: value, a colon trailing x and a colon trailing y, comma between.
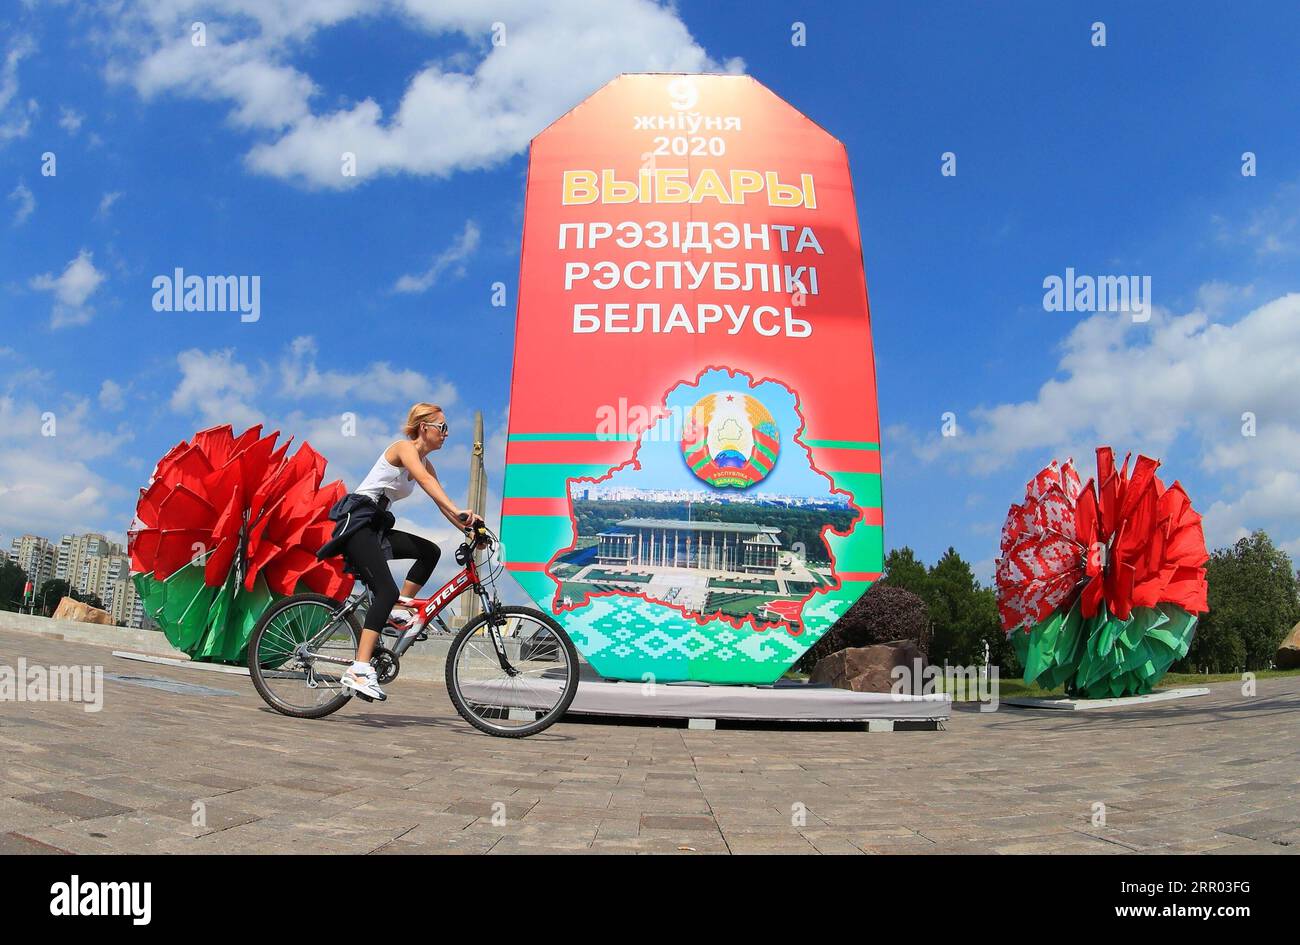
x: 298, y: 652
x: 513, y: 672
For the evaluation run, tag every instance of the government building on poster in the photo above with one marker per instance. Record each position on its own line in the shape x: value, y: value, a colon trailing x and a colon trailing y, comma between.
x: 742, y: 547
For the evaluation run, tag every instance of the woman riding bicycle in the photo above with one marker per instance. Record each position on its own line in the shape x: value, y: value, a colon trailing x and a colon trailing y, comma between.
x: 364, y: 533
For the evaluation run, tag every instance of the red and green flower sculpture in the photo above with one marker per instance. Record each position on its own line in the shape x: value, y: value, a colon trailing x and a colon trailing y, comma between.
x: 226, y: 526
x: 1099, y: 586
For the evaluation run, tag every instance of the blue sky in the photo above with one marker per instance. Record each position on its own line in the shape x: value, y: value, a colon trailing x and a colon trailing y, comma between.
x: 376, y: 290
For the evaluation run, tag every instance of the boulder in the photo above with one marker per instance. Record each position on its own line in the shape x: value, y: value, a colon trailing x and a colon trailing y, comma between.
x: 883, y: 614
x: 1288, y: 654
x: 867, y: 668
x: 70, y: 609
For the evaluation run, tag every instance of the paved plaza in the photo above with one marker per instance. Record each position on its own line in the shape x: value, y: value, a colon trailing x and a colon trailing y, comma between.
x: 1215, y: 774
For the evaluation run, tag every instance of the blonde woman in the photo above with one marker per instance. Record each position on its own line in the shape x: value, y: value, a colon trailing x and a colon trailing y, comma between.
x: 364, y: 533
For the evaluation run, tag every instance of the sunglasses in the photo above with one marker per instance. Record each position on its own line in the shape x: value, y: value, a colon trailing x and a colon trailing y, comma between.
x: 439, y: 425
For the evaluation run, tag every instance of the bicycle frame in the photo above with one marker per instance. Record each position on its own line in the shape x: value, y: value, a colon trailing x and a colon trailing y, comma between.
x: 426, y: 609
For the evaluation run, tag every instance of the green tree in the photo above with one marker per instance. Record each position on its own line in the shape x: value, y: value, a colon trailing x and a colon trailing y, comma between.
x: 12, y: 582
x: 964, y: 614
x: 54, y: 590
x: 1253, y: 603
x: 902, y: 569
x: 51, y: 591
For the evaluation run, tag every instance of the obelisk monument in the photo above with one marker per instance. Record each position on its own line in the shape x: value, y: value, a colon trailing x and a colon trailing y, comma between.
x: 476, y: 500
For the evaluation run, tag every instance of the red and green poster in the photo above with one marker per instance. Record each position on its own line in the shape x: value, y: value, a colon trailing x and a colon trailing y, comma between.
x: 693, y: 466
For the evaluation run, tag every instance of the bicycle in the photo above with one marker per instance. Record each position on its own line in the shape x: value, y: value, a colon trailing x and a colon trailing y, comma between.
x: 511, y: 671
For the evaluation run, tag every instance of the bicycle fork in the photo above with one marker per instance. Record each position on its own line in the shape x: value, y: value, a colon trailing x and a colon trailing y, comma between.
x: 494, y: 634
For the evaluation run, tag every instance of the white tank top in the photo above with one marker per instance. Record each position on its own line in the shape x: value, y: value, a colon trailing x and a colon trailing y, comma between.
x: 385, y: 479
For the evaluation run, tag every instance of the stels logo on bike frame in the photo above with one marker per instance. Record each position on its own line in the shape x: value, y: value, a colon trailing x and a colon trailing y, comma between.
x: 449, y: 590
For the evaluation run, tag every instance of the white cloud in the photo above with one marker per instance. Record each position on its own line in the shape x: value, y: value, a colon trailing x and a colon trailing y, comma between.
x: 377, y: 382
x: 106, y: 203
x: 216, y: 388
x: 1222, y: 389
x: 453, y: 257
x: 72, y: 290
x: 1271, y: 230
x: 70, y: 120
x: 468, y: 111
x: 15, y: 115
x: 111, y: 396
x: 48, y: 484
x: 26, y: 201
x: 51, y: 497
x: 51, y: 485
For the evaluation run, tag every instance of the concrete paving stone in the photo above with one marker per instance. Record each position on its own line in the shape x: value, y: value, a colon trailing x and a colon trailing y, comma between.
x: 1261, y: 829
x: 215, y: 782
x: 1254, y: 848
x: 15, y: 843
x: 400, y: 846
x: 128, y: 833
x: 568, y: 795
x: 60, y: 841
x: 215, y: 816
x: 1057, y: 843
x: 74, y: 804
x: 132, y: 792
x: 488, y: 809
x: 677, y: 822
x: 618, y: 828
x: 412, y: 777
x: 748, y: 846
x: 915, y: 843
x: 18, y: 815
x: 528, y: 785
x: 831, y: 845
x: 669, y: 845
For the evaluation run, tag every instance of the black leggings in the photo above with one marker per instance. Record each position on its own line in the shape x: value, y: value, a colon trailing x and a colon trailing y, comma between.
x: 366, y: 555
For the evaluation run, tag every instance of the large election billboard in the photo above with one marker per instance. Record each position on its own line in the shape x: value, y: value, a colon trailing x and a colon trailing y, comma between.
x: 692, y: 477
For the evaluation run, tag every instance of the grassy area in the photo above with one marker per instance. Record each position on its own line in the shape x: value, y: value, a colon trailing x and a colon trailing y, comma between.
x: 743, y: 584
x: 803, y: 587
x: 600, y: 574
x: 735, y: 604
x: 577, y: 590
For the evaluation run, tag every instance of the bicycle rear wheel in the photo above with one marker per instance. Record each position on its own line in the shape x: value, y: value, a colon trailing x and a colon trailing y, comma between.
x: 294, y: 654
x: 519, y: 688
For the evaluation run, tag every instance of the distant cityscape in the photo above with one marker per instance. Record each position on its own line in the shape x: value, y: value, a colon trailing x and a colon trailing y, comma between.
x: 90, y: 564
x: 612, y: 493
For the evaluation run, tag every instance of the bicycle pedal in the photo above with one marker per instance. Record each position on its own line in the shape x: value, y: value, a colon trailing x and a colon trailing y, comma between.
x: 363, y: 697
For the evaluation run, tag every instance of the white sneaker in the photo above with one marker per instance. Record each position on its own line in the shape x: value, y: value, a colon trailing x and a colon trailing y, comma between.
x: 403, y: 615
x: 362, y: 679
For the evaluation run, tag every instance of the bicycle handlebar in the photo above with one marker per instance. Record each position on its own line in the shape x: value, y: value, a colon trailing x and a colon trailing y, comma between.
x: 481, y: 535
